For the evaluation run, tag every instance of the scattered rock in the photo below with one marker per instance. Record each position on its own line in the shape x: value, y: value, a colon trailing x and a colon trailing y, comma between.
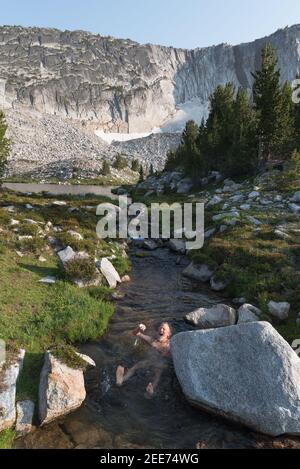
x: 184, y: 186
x: 294, y: 208
x: 24, y: 238
x: 254, y: 221
x: 246, y: 373
x: 216, y: 200
x: 29, y: 207
x: 248, y: 313
x: 245, y: 207
x: 209, y: 233
x: 109, y: 272
x: 217, y: 286
x: 296, y: 197
x: 253, y: 195
x: 66, y: 255
x: 9, y: 373
x: 177, y: 245
x: 150, y: 245
x: 14, y: 222
x: 59, y: 203
x: 61, y: 389
x: 125, y: 279
x: 75, y: 235
x: 50, y: 280
x: 86, y: 359
x: 200, y: 273
x: 42, y: 259
x: 279, y: 310
x: 25, y: 414
x: 210, y: 318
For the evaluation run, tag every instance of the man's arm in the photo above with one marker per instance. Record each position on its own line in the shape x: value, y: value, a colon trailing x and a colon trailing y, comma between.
x: 145, y: 338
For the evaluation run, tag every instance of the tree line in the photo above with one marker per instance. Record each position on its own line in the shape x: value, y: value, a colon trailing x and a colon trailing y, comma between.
x: 242, y: 134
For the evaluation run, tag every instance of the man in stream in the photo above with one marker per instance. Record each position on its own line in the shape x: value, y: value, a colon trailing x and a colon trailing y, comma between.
x: 158, y: 359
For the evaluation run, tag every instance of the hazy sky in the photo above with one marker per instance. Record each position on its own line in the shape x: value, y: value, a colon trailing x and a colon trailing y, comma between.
x: 180, y: 23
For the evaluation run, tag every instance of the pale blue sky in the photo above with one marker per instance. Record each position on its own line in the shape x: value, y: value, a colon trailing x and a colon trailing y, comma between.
x: 180, y: 23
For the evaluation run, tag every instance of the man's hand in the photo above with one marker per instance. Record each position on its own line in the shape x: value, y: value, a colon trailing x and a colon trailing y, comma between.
x: 139, y: 330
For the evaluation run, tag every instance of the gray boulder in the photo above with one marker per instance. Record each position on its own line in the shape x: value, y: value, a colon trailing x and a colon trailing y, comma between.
x: 248, y: 313
x: 201, y: 273
x: 61, y: 389
x: 247, y: 373
x: 9, y: 373
x: 66, y: 255
x: 296, y: 197
x: 279, y: 310
x: 109, y: 272
x: 210, y: 318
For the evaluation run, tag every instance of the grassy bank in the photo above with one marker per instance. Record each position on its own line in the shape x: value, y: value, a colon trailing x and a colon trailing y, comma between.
x: 37, y: 316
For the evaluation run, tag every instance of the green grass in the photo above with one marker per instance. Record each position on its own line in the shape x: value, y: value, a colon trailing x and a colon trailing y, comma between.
x: 40, y: 317
x: 7, y: 438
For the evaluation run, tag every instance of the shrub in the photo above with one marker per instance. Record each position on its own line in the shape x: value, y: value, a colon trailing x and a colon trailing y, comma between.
x: 78, y: 268
x: 122, y: 265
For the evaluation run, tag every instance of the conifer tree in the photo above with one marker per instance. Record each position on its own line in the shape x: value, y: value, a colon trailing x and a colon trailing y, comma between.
x: 4, y: 144
x: 267, y: 95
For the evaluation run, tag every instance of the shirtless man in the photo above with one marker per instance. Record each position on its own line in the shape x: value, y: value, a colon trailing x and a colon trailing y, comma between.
x: 157, y: 360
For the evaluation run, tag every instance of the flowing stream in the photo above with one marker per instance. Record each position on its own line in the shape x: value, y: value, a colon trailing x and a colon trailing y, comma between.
x: 118, y: 418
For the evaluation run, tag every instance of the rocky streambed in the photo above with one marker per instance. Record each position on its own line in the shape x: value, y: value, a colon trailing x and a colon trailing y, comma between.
x: 121, y: 418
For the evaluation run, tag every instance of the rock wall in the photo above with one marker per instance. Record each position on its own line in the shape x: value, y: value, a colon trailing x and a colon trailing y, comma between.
x: 120, y: 85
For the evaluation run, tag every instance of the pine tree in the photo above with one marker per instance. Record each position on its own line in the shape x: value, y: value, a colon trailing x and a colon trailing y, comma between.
x: 105, y: 168
x: 4, y: 144
x: 267, y: 95
x: 135, y: 165
x: 241, y: 158
x: 189, y: 153
x: 217, y: 138
x: 142, y: 176
x: 287, y: 123
x: 120, y: 162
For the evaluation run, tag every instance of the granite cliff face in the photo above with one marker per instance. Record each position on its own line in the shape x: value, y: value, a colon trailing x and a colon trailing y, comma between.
x: 72, y: 85
x: 120, y: 85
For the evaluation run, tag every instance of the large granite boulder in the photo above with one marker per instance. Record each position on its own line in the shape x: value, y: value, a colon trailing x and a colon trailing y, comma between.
x: 61, y: 389
x: 109, y: 272
x: 246, y: 373
x: 210, y: 318
x: 9, y: 373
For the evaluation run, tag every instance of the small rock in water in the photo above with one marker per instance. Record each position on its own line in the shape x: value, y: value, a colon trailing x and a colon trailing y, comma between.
x: 177, y: 245
x: 150, y: 245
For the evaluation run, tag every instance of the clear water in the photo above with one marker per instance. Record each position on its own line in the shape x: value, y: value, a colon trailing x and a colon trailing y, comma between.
x: 118, y: 418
